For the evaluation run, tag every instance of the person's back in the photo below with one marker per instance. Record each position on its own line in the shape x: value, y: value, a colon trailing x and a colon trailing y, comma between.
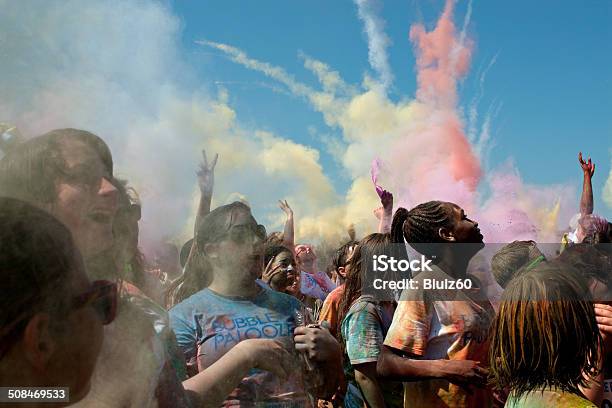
x: 548, y: 398
x: 536, y: 368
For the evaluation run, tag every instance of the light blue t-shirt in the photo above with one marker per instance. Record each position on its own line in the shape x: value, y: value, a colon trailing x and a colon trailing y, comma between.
x: 207, y: 325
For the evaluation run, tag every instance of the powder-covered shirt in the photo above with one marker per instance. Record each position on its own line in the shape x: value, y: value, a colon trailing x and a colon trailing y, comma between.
x: 207, y: 325
x: 331, y: 308
x: 363, y: 333
x: 454, y: 326
x: 317, y: 285
x: 549, y: 398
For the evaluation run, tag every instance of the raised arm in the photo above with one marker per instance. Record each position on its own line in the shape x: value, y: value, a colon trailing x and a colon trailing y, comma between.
x: 288, y: 233
x: 586, y: 200
x: 206, y: 182
x: 385, y: 213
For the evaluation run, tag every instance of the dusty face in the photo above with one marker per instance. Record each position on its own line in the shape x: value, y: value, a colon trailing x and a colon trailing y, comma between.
x: 241, y: 251
x: 464, y: 229
x: 285, y: 279
x: 86, y: 199
x: 307, y: 261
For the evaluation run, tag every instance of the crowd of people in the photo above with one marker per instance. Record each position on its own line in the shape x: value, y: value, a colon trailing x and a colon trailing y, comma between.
x: 240, y: 316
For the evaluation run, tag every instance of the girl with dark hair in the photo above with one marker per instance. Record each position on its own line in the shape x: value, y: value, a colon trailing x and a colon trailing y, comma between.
x: 68, y: 172
x: 439, y: 336
x: 331, y: 305
x: 50, y: 312
x: 545, y: 343
x: 219, y: 305
x: 365, y: 319
x: 281, y: 270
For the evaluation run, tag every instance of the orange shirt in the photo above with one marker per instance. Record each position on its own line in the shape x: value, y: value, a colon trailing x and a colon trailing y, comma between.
x: 331, y: 308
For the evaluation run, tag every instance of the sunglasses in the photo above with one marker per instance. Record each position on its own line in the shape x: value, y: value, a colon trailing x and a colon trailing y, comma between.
x: 85, y: 175
x: 102, y: 296
x: 247, y: 233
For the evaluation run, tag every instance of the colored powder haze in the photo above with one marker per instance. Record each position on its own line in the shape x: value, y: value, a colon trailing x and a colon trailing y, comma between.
x: 420, y: 148
x: 66, y: 66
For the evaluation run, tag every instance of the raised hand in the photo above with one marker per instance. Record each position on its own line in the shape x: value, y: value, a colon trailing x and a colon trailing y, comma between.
x: 386, y: 199
x: 588, y: 167
x: 270, y: 271
x: 206, y: 174
x: 285, y: 207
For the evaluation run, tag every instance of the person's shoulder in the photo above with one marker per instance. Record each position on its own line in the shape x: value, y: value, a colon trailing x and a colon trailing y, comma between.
x: 553, y: 398
x: 280, y: 299
x: 364, y: 307
x: 336, y: 294
x: 198, y: 300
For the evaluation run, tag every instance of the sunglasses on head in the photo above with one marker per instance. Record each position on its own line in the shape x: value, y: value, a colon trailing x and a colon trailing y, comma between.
x: 102, y: 296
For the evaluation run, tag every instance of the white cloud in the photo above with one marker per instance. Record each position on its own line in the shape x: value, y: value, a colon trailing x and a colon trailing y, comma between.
x: 378, y: 41
x: 115, y: 68
x: 607, y: 191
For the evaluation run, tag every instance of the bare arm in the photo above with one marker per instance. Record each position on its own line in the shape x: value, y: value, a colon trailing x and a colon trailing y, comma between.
x: 366, y: 377
x: 211, y: 386
x: 289, y: 231
x: 586, y: 200
x: 392, y: 366
x: 386, y: 215
x: 594, y: 391
x: 206, y: 182
x: 461, y: 372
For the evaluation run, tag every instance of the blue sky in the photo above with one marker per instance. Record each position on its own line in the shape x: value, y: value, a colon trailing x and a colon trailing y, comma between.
x: 551, y: 79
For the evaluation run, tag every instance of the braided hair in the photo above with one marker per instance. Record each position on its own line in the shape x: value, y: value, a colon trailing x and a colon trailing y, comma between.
x: 421, y: 224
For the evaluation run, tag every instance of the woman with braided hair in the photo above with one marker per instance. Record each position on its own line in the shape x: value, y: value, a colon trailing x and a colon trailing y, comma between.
x: 439, y: 335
